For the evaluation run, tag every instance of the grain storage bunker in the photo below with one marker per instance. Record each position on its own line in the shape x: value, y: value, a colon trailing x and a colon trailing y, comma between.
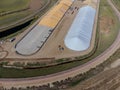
x: 36, y: 38
x: 80, y: 33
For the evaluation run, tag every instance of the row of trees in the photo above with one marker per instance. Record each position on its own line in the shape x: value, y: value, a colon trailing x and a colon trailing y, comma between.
x: 63, y: 84
x: 71, y: 81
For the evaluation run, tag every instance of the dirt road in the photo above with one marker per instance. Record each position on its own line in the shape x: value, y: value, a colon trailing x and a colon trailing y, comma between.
x: 106, y: 80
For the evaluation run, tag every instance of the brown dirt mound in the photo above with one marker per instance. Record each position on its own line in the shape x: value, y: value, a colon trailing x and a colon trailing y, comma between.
x: 105, y: 24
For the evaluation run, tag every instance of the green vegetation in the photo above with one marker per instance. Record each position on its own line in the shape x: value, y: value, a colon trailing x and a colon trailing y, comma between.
x: 12, y: 5
x: 117, y: 3
x: 19, y: 12
x: 73, y: 81
x: 105, y: 40
x: 107, y: 37
x: 19, y: 31
x: 94, y: 71
x: 8, y: 19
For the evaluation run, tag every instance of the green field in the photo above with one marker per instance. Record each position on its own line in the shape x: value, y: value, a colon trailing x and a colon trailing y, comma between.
x: 104, y: 43
x: 19, y: 10
x: 106, y: 39
x: 117, y: 3
x: 7, y: 19
x: 12, y: 5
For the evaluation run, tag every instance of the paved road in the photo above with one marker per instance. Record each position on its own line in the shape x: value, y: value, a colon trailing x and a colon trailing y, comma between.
x: 68, y: 73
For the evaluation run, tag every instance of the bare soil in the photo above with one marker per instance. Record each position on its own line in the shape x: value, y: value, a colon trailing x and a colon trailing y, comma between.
x: 107, y: 80
x: 105, y: 23
x: 36, y: 4
x: 50, y: 48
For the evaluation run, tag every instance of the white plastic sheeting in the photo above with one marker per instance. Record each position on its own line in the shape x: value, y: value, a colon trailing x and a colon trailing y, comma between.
x: 79, y: 36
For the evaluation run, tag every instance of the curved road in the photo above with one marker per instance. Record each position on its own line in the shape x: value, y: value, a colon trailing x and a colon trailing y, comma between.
x: 8, y: 83
x: 26, y: 18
